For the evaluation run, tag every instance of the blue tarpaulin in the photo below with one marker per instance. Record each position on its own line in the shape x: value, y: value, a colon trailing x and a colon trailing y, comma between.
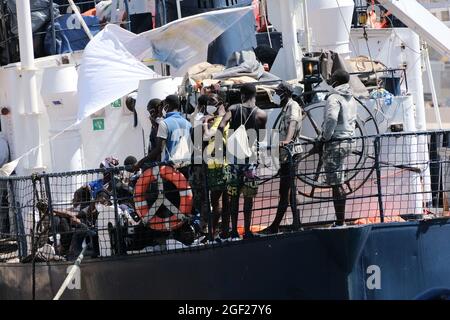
x: 69, y: 35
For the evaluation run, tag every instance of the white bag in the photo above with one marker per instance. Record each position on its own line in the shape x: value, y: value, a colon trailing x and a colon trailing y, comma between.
x: 237, y: 144
x: 182, y: 152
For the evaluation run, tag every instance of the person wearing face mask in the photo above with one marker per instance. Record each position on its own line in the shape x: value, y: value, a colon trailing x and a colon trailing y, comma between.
x: 241, y: 171
x: 154, y: 109
x: 215, y: 110
x: 155, y: 116
x: 338, y: 129
x: 196, y: 117
x: 173, y: 130
x: 198, y: 169
x: 289, y: 129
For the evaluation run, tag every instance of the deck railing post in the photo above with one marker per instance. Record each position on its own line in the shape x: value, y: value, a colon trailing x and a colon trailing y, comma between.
x: 207, y: 203
x: 118, y: 232
x: 52, y: 21
x: 293, y: 194
x: 48, y: 193
x: 34, y: 243
x: 377, y: 149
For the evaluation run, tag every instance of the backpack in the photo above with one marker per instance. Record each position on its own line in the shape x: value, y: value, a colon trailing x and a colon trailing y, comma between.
x: 182, y: 152
x: 237, y: 144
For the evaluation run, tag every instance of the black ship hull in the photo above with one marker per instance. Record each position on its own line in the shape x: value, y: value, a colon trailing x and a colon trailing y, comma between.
x: 385, y: 261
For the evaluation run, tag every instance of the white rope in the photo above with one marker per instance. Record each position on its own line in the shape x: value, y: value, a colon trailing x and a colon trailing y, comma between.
x: 75, y: 269
x: 8, y: 168
x: 80, y: 19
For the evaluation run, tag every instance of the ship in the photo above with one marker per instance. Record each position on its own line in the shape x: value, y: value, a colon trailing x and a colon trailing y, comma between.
x: 70, y: 228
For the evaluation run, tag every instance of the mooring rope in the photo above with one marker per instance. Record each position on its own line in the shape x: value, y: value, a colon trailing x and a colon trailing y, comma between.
x: 75, y: 268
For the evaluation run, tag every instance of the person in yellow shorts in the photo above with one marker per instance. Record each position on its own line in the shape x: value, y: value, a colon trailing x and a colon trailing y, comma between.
x: 215, y: 111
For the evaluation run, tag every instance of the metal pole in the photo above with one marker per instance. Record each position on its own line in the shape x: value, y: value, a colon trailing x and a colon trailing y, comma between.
x: 179, y: 9
x: 207, y: 203
x: 28, y: 73
x: 116, y: 212
x: 263, y: 4
x: 306, y: 25
x: 7, y: 42
x: 127, y: 10
x: 80, y: 19
x: 52, y: 21
x: 33, y: 241
x: 294, y: 206
x: 377, y: 147
x: 432, y: 88
x: 50, y: 211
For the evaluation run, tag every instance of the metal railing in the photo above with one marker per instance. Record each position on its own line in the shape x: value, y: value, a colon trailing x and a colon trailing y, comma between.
x: 384, y: 178
x: 389, y: 73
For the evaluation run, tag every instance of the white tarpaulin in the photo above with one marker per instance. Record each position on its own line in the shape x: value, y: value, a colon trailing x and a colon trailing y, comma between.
x: 111, y: 66
x: 108, y: 71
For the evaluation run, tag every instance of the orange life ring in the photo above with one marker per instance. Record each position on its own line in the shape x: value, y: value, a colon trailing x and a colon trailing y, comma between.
x: 148, y: 214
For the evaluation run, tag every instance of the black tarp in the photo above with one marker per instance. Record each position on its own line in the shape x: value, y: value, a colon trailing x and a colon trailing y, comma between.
x: 40, y: 16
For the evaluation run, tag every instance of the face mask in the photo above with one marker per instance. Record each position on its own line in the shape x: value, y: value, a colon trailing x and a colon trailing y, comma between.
x: 276, y: 99
x: 164, y: 112
x: 211, y: 110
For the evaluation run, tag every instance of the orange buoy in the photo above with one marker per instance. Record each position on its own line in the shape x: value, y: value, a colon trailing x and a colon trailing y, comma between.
x: 148, y: 213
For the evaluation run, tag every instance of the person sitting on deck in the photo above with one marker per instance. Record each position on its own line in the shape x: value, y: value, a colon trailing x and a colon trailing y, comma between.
x: 338, y: 129
x: 241, y: 172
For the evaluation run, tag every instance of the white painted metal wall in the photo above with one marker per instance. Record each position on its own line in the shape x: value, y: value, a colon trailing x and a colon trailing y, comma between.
x: 77, y: 148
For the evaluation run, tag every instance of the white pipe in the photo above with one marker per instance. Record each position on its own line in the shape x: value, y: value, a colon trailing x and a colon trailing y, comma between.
x: 80, y: 19
x: 306, y: 26
x: 290, y: 42
x: 28, y: 85
x: 437, y: 112
x: 27, y: 56
x: 179, y: 8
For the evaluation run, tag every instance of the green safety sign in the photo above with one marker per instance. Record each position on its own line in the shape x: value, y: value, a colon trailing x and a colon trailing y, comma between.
x: 98, y: 124
x: 117, y: 103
